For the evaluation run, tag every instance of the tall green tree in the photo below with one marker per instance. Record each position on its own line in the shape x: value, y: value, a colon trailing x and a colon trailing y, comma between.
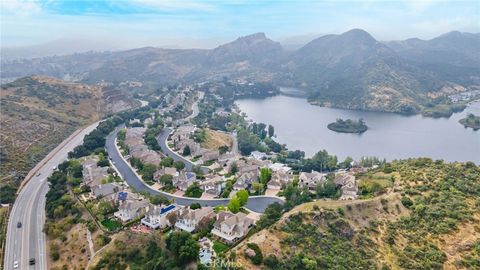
x: 271, y: 131
x: 234, y: 205
x: 242, y: 196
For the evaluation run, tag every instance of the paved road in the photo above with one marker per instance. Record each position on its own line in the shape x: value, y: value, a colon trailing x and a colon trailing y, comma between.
x: 162, y: 141
x: 29, y: 209
x: 255, y: 203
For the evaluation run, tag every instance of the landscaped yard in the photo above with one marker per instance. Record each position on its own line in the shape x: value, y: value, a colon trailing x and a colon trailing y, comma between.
x: 111, y: 225
x: 219, y: 247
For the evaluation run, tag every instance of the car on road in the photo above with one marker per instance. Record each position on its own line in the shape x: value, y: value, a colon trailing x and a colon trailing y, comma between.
x: 38, y: 174
x: 15, y: 264
x: 19, y: 224
x: 31, y: 261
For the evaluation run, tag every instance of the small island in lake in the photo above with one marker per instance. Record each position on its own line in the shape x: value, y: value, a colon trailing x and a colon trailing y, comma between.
x: 471, y: 121
x: 348, y: 126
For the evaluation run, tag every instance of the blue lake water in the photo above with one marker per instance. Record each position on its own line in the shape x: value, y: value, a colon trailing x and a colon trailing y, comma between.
x: 303, y: 126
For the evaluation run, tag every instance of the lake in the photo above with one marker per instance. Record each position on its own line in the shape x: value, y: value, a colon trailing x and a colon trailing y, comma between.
x: 303, y: 126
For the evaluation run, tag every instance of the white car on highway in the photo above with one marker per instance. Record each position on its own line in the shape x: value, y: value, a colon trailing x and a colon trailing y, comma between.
x: 15, y: 264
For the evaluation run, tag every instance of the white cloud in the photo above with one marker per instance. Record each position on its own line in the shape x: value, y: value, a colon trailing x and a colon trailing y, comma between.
x: 175, y: 5
x: 20, y: 7
x: 420, y: 5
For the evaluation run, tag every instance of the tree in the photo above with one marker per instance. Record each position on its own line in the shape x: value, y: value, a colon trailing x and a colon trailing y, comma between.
x: 271, y: 131
x: 327, y: 189
x: 234, y: 205
x: 179, y: 165
x: 75, y: 168
x: 167, y: 162
x: 242, y: 196
x: 194, y: 206
x: 166, y: 180
x: 147, y: 172
x: 194, y: 191
x: 223, y: 149
x: 186, y: 151
x: 265, y: 175
x: 257, y: 187
x: 183, y: 246
x: 233, y: 168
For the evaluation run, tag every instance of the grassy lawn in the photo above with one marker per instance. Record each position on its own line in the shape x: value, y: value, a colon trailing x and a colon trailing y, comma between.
x: 219, y: 247
x: 208, y: 163
x: 111, y: 225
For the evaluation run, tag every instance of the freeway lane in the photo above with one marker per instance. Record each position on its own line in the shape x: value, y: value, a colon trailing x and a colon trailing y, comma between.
x: 29, y: 209
x: 255, y: 203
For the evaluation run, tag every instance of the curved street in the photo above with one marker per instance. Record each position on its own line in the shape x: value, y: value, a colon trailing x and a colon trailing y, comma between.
x: 162, y: 141
x: 255, y: 203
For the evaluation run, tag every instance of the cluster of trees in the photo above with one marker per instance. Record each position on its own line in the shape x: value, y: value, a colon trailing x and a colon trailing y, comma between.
x: 151, y: 134
x: 348, y: 126
x: 471, y: 121
x: 169, y: 162
x: 443, y: 196
x: 97, y: 138
x: 146, y: 170
x: 194, y: 191
x: 239, y: 200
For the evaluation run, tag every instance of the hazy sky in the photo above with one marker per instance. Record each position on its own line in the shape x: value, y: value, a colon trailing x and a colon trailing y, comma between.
x: 190, y: 23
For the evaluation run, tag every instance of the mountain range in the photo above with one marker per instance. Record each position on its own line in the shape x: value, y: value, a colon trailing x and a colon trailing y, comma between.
x: 351, y: 70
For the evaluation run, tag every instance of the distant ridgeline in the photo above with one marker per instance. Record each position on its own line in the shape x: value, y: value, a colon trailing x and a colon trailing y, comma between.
x: 348, y: 126
x: 471, y: 121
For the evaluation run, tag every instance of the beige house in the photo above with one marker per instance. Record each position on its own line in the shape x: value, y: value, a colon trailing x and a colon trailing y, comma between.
x: 311, y: 180
x: 188, y: 220
x: 230, y: 227
x: 279, y: 180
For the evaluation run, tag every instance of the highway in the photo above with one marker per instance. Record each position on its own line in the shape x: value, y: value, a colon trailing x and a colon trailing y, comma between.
x: 29, y: 241
x: 255, y: 203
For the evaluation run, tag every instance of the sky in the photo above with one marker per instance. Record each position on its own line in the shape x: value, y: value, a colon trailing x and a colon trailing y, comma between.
x: 205, y: 24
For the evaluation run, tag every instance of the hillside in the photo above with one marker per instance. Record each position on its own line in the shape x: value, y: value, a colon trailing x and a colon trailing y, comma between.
x: 350, y: 70
x: 40, y: 112
x: 355, y: 71
x: 429, y: 220
x: 453, y: 56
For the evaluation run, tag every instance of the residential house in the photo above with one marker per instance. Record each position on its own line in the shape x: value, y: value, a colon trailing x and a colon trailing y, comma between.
x: 348, y: 185
x: 226, y: 160
x: 167, y: 170
x: 245, y: 180
x: 184, y: 180
x: 105, y: 190
x: 92, y: 174
x: 130, y: 209
x: 156, y: 217
x: 311, y: 180
x: 213, y: 185
x: 210, y: 155
x: 279, y: 167
x: 230, y: 227
x: 189, y: 220
x: 279, y: 179
x: 258, y: 155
